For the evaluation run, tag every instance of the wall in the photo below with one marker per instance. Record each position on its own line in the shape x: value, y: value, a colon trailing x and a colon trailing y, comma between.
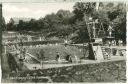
x: 101, y: 72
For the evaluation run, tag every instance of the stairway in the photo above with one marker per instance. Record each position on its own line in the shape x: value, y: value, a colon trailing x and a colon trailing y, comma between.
x: 105, y: 54
x: 98, y: 53
x: 32, y: 59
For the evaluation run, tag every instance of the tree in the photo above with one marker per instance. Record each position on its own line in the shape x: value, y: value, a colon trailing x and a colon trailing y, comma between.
x: 40, y: 55
x: 119, y: 25
x: 73, y: 24
x: 108, y: 14
x: 22, y: 26
x: 64, y: 16
x: 10, y: 25
x: 81, y: 33
x: 50, y: 22
x: 58, y: 24
x: 3, y: 24
x: 119, y: 22
x: 80, y: 9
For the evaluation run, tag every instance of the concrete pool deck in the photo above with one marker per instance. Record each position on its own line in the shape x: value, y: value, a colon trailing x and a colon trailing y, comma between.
x: 56, y: 65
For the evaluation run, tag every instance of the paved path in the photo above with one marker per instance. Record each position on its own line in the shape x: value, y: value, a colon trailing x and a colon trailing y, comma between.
x: 117, y: 47
x: 46, y: 66
x: 4, y: 61
x: 32, y: 56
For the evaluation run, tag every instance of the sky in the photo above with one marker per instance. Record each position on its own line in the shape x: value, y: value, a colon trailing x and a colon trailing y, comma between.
x: 33, y: 10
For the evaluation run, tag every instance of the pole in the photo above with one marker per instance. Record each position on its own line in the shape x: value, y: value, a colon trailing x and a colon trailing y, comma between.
x: 94, y: 30
x: 91, y: 52
x: 83, y: 51
x: 5, y: 47
x: 97, y: 6
x: 1, y: 29
x: 40, y: 39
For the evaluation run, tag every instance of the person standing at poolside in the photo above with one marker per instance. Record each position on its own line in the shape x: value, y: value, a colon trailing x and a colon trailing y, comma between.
x: 57, y: 56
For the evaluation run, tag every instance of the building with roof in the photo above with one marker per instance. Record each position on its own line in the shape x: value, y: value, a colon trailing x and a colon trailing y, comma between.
x: 16, y: 20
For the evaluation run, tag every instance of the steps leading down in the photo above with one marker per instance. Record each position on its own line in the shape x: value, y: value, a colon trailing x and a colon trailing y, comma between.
x: 105, y: 54
x: 98, y: 52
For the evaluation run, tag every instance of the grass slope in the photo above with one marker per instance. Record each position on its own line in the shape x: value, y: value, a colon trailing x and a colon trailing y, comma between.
x: 51, y: 51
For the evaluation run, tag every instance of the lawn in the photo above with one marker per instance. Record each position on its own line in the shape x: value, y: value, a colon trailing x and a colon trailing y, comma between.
x: 50, y: 51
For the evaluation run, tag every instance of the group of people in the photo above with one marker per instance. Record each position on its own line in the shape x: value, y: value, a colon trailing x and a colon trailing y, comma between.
x: 67, y: 58
x: 115, y: 43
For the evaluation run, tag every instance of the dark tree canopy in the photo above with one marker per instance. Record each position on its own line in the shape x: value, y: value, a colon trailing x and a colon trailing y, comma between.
x: 72, y: 25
